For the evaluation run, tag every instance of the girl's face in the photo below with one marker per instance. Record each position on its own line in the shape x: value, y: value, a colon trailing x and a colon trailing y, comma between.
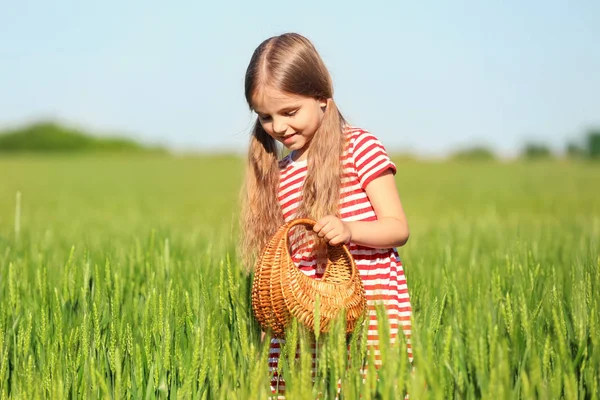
x: 289, y: 118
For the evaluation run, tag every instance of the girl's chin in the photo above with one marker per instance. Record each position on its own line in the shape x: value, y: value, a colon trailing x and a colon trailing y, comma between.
x: 293, y: 146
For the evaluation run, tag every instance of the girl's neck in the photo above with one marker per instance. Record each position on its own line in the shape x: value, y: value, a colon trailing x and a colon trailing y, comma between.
x: 299, y: 155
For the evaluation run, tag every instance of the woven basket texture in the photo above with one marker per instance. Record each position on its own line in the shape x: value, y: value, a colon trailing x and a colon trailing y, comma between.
x: 281, y: 291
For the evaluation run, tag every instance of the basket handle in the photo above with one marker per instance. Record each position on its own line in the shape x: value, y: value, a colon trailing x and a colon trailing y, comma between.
x: 310, y: 223
x: 302, y: 221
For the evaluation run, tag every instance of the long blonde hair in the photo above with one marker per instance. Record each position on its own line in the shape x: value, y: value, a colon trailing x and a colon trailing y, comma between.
x: 290, y: 63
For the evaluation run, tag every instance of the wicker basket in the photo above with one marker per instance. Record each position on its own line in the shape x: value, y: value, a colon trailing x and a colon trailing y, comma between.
x: 280, y: 290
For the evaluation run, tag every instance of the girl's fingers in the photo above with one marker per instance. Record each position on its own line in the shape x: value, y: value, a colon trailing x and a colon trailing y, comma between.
x: 336, y: 240
x: 332, y: 234
x: 329, y: 231
x: 318, y: 228
x: 322, y: 223
x: 326, y: 230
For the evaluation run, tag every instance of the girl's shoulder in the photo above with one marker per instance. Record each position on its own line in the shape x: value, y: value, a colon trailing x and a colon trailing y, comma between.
x: 359, y: 138
x: 352, y: 131
x: 366, y: 154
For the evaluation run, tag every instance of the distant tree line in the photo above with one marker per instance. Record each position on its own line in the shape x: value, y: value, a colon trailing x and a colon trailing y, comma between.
x: 53, y: 137
x: 589, y: 148
x: 48, y: 137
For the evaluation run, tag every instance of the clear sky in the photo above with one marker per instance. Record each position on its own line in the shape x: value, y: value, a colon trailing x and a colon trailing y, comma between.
x: 423, y: 77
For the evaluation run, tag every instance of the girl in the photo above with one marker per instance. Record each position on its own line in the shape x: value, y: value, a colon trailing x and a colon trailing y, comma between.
x: 337, y: 174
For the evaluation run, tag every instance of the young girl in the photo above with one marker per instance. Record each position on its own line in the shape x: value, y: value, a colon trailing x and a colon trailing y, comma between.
x: 337, y: 174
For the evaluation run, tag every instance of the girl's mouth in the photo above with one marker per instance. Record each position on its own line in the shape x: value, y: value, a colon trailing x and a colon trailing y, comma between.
x: 289, y: 139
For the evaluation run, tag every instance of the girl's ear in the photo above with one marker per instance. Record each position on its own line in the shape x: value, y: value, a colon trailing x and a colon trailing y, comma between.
x: 323, y: 103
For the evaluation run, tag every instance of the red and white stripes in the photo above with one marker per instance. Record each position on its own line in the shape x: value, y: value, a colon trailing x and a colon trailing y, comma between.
x: 381, y: 270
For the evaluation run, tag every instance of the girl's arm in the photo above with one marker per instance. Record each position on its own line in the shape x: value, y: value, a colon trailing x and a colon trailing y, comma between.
x: 390, y: 229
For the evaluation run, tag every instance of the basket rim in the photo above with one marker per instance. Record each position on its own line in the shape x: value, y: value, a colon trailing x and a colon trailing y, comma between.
x: 311, y: 223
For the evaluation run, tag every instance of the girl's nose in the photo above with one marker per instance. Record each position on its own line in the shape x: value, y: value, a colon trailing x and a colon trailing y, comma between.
x: 279, y: 126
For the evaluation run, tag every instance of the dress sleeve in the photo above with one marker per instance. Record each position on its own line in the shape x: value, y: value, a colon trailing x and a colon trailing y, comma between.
x: 370, y: 158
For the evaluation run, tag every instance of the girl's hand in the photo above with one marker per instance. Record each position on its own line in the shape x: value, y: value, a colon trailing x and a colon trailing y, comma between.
x: 333, y: 229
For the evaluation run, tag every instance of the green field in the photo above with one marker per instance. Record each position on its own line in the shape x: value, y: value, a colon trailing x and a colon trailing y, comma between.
x: 119, y: 279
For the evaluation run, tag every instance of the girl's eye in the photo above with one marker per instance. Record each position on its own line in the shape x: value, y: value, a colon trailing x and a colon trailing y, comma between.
x: 291, y: 113
x: 264, y: 118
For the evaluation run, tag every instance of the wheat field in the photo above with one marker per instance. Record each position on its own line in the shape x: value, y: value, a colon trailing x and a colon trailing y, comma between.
x: 119, y: 278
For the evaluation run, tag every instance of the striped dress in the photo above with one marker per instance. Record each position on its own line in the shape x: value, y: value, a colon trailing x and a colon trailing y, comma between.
x: 364, y: 159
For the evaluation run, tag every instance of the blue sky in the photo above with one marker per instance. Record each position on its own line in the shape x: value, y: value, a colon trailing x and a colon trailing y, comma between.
x: 423, y: 77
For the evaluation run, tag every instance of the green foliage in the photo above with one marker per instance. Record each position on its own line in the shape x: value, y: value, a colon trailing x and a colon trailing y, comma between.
x: 574, y: 150
x: 477, y: 153
x: 123, y: 283
x: 589, y: 148
x: 536, y: 151
x: 50, y: 137
x: 593, y: 144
